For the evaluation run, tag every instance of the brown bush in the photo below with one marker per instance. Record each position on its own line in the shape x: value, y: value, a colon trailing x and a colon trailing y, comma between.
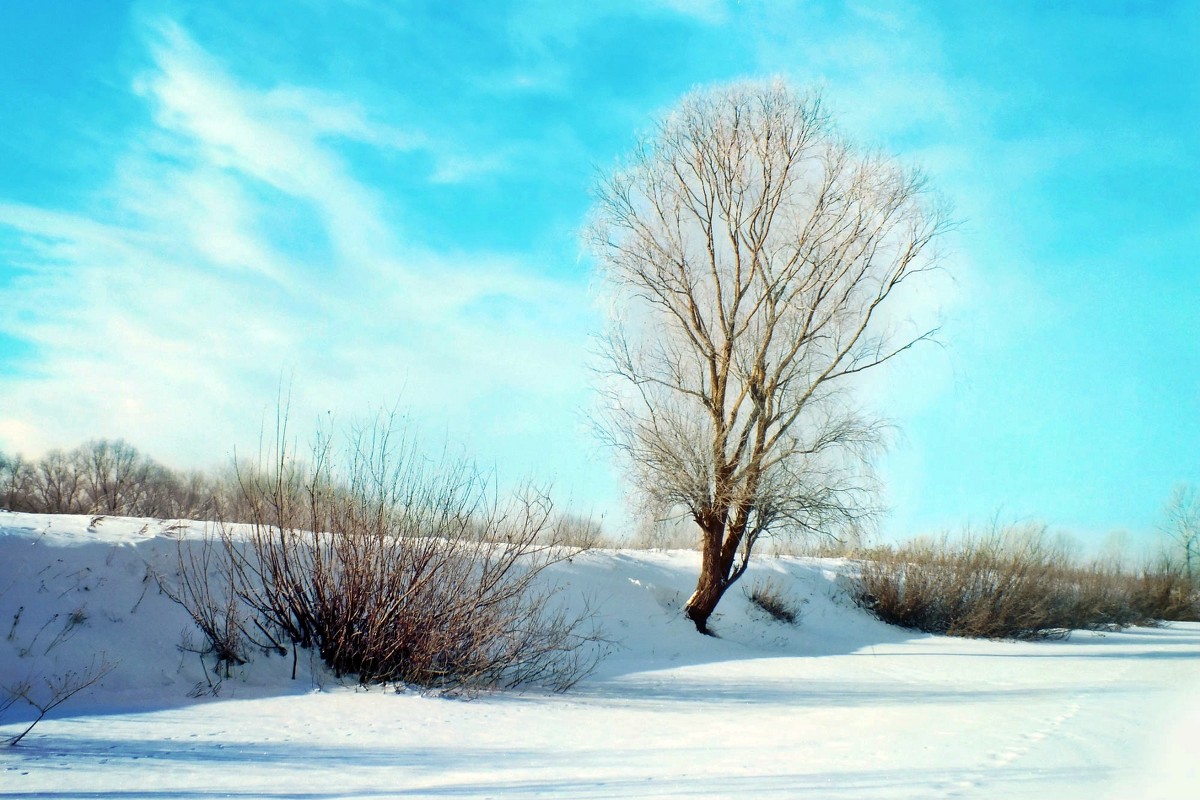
x: 392, y: 568
x: 1166, y: 592
x: 769, y: 596
x: 1013, y: 584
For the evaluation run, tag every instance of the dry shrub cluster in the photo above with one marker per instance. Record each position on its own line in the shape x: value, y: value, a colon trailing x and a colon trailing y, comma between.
x: 771, y: 597
x: 392, y: 568
x: 1015, y: 584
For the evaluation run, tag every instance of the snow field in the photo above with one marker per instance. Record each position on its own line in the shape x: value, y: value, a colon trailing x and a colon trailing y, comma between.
x: 838, y: 706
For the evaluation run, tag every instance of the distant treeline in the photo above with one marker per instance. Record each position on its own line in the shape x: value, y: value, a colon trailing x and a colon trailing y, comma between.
x: 108, y: 477
x: 112, y: 477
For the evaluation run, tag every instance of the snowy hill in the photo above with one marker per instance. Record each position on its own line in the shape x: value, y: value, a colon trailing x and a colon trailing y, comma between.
x: 838, y: 705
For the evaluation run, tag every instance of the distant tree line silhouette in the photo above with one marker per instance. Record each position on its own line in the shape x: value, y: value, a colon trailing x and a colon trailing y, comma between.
x: 105, y: 476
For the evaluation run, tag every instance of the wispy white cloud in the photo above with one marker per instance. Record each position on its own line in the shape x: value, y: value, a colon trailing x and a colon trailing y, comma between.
x: 171, y: 316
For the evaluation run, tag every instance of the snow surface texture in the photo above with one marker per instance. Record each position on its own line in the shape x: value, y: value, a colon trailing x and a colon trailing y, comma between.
x: 838, y: 706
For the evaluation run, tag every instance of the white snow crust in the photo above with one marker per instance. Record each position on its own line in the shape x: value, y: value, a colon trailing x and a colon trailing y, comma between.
x: 837, y: 706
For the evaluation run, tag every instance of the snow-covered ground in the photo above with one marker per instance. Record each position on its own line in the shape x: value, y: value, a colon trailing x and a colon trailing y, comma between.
x: 838, y: 706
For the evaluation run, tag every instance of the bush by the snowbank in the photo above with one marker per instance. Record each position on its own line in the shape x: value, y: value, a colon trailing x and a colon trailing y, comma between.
x: 392, y: 570
x: 1014, y: 584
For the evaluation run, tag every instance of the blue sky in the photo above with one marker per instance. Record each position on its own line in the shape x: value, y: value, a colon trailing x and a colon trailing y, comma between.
x: 380, y: 202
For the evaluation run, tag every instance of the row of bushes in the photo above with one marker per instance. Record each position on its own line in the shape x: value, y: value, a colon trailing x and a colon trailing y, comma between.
x: 387, y: 565
x: 1016, y: 584
x: 391, y: 568
x: 112, y: 477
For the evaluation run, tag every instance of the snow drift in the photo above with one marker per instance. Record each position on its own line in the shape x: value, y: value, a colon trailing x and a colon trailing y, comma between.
x: 837, y: 705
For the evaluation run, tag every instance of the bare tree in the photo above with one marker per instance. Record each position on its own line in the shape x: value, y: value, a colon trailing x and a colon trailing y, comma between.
x: 14, y: 477
x: 55, y: 485
x: 115, y: 477
x: 104, y: 476
x: 749, y: 250
x: 1183, y: 525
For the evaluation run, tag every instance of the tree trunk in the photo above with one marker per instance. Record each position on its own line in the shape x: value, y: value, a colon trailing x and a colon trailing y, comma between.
x: 714, y: 573
x: 704, y: 600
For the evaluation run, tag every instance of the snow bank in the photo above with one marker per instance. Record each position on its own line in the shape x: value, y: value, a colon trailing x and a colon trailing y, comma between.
x: 838, y: 706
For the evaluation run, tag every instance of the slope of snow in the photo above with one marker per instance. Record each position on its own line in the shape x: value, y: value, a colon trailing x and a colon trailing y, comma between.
x: 838, y: 706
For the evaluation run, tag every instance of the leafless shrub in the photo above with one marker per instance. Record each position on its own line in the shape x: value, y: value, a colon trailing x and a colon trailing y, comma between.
x: 771, y: 597
x: 1009, y: 584
x: 1166, y: 591
x: 48, y: 693
x: 204, y: 585
x: 395, y: 568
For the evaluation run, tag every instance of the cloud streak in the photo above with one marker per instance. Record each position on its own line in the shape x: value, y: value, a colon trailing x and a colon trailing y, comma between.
x: 241, y: 249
